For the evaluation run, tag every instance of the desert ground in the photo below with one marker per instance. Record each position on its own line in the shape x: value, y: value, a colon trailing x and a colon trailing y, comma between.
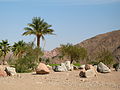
x: 61, y: 81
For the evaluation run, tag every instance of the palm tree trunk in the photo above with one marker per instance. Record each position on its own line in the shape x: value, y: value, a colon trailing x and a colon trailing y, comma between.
x: 38, y: 41
x: 4, y: 63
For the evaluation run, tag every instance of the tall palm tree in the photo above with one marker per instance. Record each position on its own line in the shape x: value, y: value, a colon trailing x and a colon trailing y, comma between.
x: 39, y: 28
x: 4, y: 49
x: 19, y: 48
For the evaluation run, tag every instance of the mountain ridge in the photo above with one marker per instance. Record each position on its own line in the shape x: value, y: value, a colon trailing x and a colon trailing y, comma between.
x: 109, y: 41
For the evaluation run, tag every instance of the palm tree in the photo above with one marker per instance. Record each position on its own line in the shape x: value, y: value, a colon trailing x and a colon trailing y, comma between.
x: 19, y: 48
x: 4, y: 49
x: 39, y: 28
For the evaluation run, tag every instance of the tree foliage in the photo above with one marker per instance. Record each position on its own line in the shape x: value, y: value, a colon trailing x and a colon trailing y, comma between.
x: 4, y: 49
x: 73, y: 52
x: 29, y: 60
x: 39, y: 28
x: 19, y: 48
x: 105, y: 56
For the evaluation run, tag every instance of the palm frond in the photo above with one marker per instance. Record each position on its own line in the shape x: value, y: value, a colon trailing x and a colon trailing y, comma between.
x: 27, y: 29
x: 29, y: 33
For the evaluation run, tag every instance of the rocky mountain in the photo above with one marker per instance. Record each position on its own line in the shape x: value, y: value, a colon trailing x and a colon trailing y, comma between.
x: 109, y: 41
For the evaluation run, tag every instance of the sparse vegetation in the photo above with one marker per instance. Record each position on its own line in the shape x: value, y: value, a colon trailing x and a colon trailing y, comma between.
x: 74, y: 53
x: 77, y: 64
x: 106, y: 57
x: 18, y: 48
x: 54, y: 64
x: 4, y: 49
x: 29, y: 60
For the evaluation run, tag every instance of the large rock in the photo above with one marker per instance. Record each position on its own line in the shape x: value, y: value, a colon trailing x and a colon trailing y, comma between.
x: 3, y: 73
x: 72, y: 67
x: 61, y: 68
x: 68, y: 66
x: 89, y: 66
x: 63, y: 65
x: 90, y: 73
x: 3, y: 67
x: 82, y: 67
x: 42, y: 69
x: 117, y: 67
x: 10, y: 71
x: 103, y: 68
x: 49, y: 67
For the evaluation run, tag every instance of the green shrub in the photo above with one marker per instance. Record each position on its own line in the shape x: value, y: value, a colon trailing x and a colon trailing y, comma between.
x: 72, y: 52
x: 26, y: 64
x: 77, y: 64
x: 29, y: 59
x: 54, y: 64
x: 94, y: 62
x: 106, y: 57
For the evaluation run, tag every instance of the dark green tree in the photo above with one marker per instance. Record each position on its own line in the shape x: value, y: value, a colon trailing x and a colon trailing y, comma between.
x: 4, y: 49
x: 19, y: 48
x: 73, y: 52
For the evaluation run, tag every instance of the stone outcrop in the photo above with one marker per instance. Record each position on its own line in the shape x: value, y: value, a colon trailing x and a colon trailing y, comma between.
x: 117, y: 68
x: 42, y: 69
x: 3, y: 73
x: 10, y: 71
x: 88, y: 71
x: 101, y: 67
x: 66, y: 66
x: 109, y: 41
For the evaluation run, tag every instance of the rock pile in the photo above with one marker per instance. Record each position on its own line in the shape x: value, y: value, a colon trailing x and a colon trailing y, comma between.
x: 88, y: 71
x: 66, y: 66
x: 7, y: 71
x: 91, y: 71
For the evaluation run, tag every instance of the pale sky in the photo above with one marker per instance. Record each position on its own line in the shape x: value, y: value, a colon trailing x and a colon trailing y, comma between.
x: 72, y: 20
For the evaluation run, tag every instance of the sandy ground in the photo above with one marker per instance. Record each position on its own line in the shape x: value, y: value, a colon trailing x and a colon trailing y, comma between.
x: 61, y: 81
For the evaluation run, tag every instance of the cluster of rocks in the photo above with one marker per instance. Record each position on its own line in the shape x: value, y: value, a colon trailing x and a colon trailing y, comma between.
x: 66, y: 66
x: 87, y: 71
x: 7, y: 71
x: 91, y: 71
x: 46, y: 69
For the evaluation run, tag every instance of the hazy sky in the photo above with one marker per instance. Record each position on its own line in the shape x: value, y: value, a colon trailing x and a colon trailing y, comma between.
x: 72, y: 20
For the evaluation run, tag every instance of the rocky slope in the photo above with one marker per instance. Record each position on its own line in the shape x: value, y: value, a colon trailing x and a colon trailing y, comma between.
x: 108, y: 41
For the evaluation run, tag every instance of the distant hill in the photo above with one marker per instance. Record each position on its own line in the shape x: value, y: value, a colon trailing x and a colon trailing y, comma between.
x: 109, y: 41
